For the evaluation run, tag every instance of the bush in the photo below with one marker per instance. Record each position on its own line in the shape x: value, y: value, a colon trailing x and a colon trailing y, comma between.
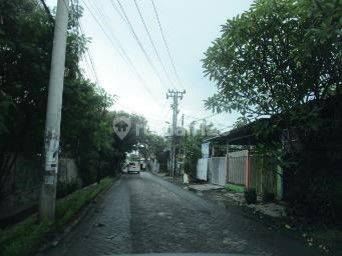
x: 267, y: 197
x: 64, y: 189
x: 250, y: 196
x: 235, y: 188
x: 313, y: 199
x: 26, y: 237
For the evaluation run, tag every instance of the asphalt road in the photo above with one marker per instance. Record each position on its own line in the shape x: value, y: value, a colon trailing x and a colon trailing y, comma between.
x: 144, y: 214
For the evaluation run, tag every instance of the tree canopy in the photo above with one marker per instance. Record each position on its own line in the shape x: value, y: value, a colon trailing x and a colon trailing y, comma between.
x: 276, y: 56
x: 26, y: 35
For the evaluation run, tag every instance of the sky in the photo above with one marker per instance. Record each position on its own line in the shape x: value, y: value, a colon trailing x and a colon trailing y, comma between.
x: 189, y: 27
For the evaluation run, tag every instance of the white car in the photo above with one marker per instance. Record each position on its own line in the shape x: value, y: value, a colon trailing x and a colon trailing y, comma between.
x: 133, y: 168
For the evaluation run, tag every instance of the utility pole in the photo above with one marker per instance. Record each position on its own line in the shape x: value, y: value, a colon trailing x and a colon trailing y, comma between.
x: 192, y: 128
x: 175, y: 95
x: 53, y: 114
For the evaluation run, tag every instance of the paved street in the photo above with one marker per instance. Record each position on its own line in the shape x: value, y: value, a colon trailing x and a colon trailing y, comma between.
x: 144, y: 213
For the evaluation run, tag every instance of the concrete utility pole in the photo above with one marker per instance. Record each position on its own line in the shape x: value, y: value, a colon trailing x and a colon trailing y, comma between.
x: 53, y: 113
x: 175, y: 95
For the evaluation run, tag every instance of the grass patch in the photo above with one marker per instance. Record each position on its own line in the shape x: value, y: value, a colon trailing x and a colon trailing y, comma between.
x: 26, y: 237
x: 235, y: 188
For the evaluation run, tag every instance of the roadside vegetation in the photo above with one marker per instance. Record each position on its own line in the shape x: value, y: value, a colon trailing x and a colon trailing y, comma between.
x: 26, y: 42
x: 26, y: 237
x: 191, y: 144
x: 26, y: 30
x: 282, y: 60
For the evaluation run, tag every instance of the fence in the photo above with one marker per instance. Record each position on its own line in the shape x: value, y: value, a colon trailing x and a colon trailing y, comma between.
x: 217, y: 170
x: 237, y: 164
x: 263, y: 177
x: 202, y: 169
x: 242, y: 168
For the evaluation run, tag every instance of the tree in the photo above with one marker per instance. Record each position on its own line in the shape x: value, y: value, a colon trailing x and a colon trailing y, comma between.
x: 26, y: 34
x: 276, y: 56
x: 25, y: 52
x: 155, y: 147
x: 283, y: 59
x: 191, y: 145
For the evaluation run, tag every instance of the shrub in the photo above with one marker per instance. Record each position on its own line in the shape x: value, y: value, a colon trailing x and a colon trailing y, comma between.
x: 250, y: 196
x: 64, y: 189
x: 26, y: 237
x: 267, y: 197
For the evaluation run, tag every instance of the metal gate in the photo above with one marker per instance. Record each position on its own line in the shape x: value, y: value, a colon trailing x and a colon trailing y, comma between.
x: 218, y: 170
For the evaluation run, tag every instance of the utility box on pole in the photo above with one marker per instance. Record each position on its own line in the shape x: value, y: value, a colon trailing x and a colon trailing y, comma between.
x: 53, y: 114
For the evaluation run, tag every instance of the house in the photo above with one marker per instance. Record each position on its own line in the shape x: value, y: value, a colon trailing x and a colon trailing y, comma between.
x: 230, y: 158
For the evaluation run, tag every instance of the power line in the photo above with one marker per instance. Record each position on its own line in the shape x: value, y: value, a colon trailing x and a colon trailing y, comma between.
x: 165, y: 43
x: 47, y: 10
x: 154, y: 47
x: 152, y: 42
x: 136, y: 38
x: 122, y: 53
x: 202, y: 118
x: 104, y: 16
x: 87, y: 67
x: 92, y: 65
x: 141, y: 80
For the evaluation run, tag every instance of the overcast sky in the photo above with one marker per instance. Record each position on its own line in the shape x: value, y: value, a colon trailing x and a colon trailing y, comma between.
x: 189, y: 26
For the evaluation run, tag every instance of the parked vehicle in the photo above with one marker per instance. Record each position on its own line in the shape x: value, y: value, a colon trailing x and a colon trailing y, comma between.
x: 133, y: 167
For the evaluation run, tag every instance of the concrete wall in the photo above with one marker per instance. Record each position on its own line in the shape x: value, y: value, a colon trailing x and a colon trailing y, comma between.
x: 23, y: 187
x: 68, y: 171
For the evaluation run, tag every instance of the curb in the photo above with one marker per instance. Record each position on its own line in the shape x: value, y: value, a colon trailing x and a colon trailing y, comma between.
x: 72, y: 224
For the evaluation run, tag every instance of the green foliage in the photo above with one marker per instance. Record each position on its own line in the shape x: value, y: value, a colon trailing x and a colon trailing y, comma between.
x: 155, y: 147
x: 240, y: 122
x: 192, y: 152
x: 26, y: 35
x: 64, y: 189
x: 235, y: 188
x: 136, y: 137
x: 25, y: 51
x: 68, y: 206
x: 282, y: 59
x: 86, y: 129
x: 26, y: 237
x: 275, y: 56
x: 191, y: 144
